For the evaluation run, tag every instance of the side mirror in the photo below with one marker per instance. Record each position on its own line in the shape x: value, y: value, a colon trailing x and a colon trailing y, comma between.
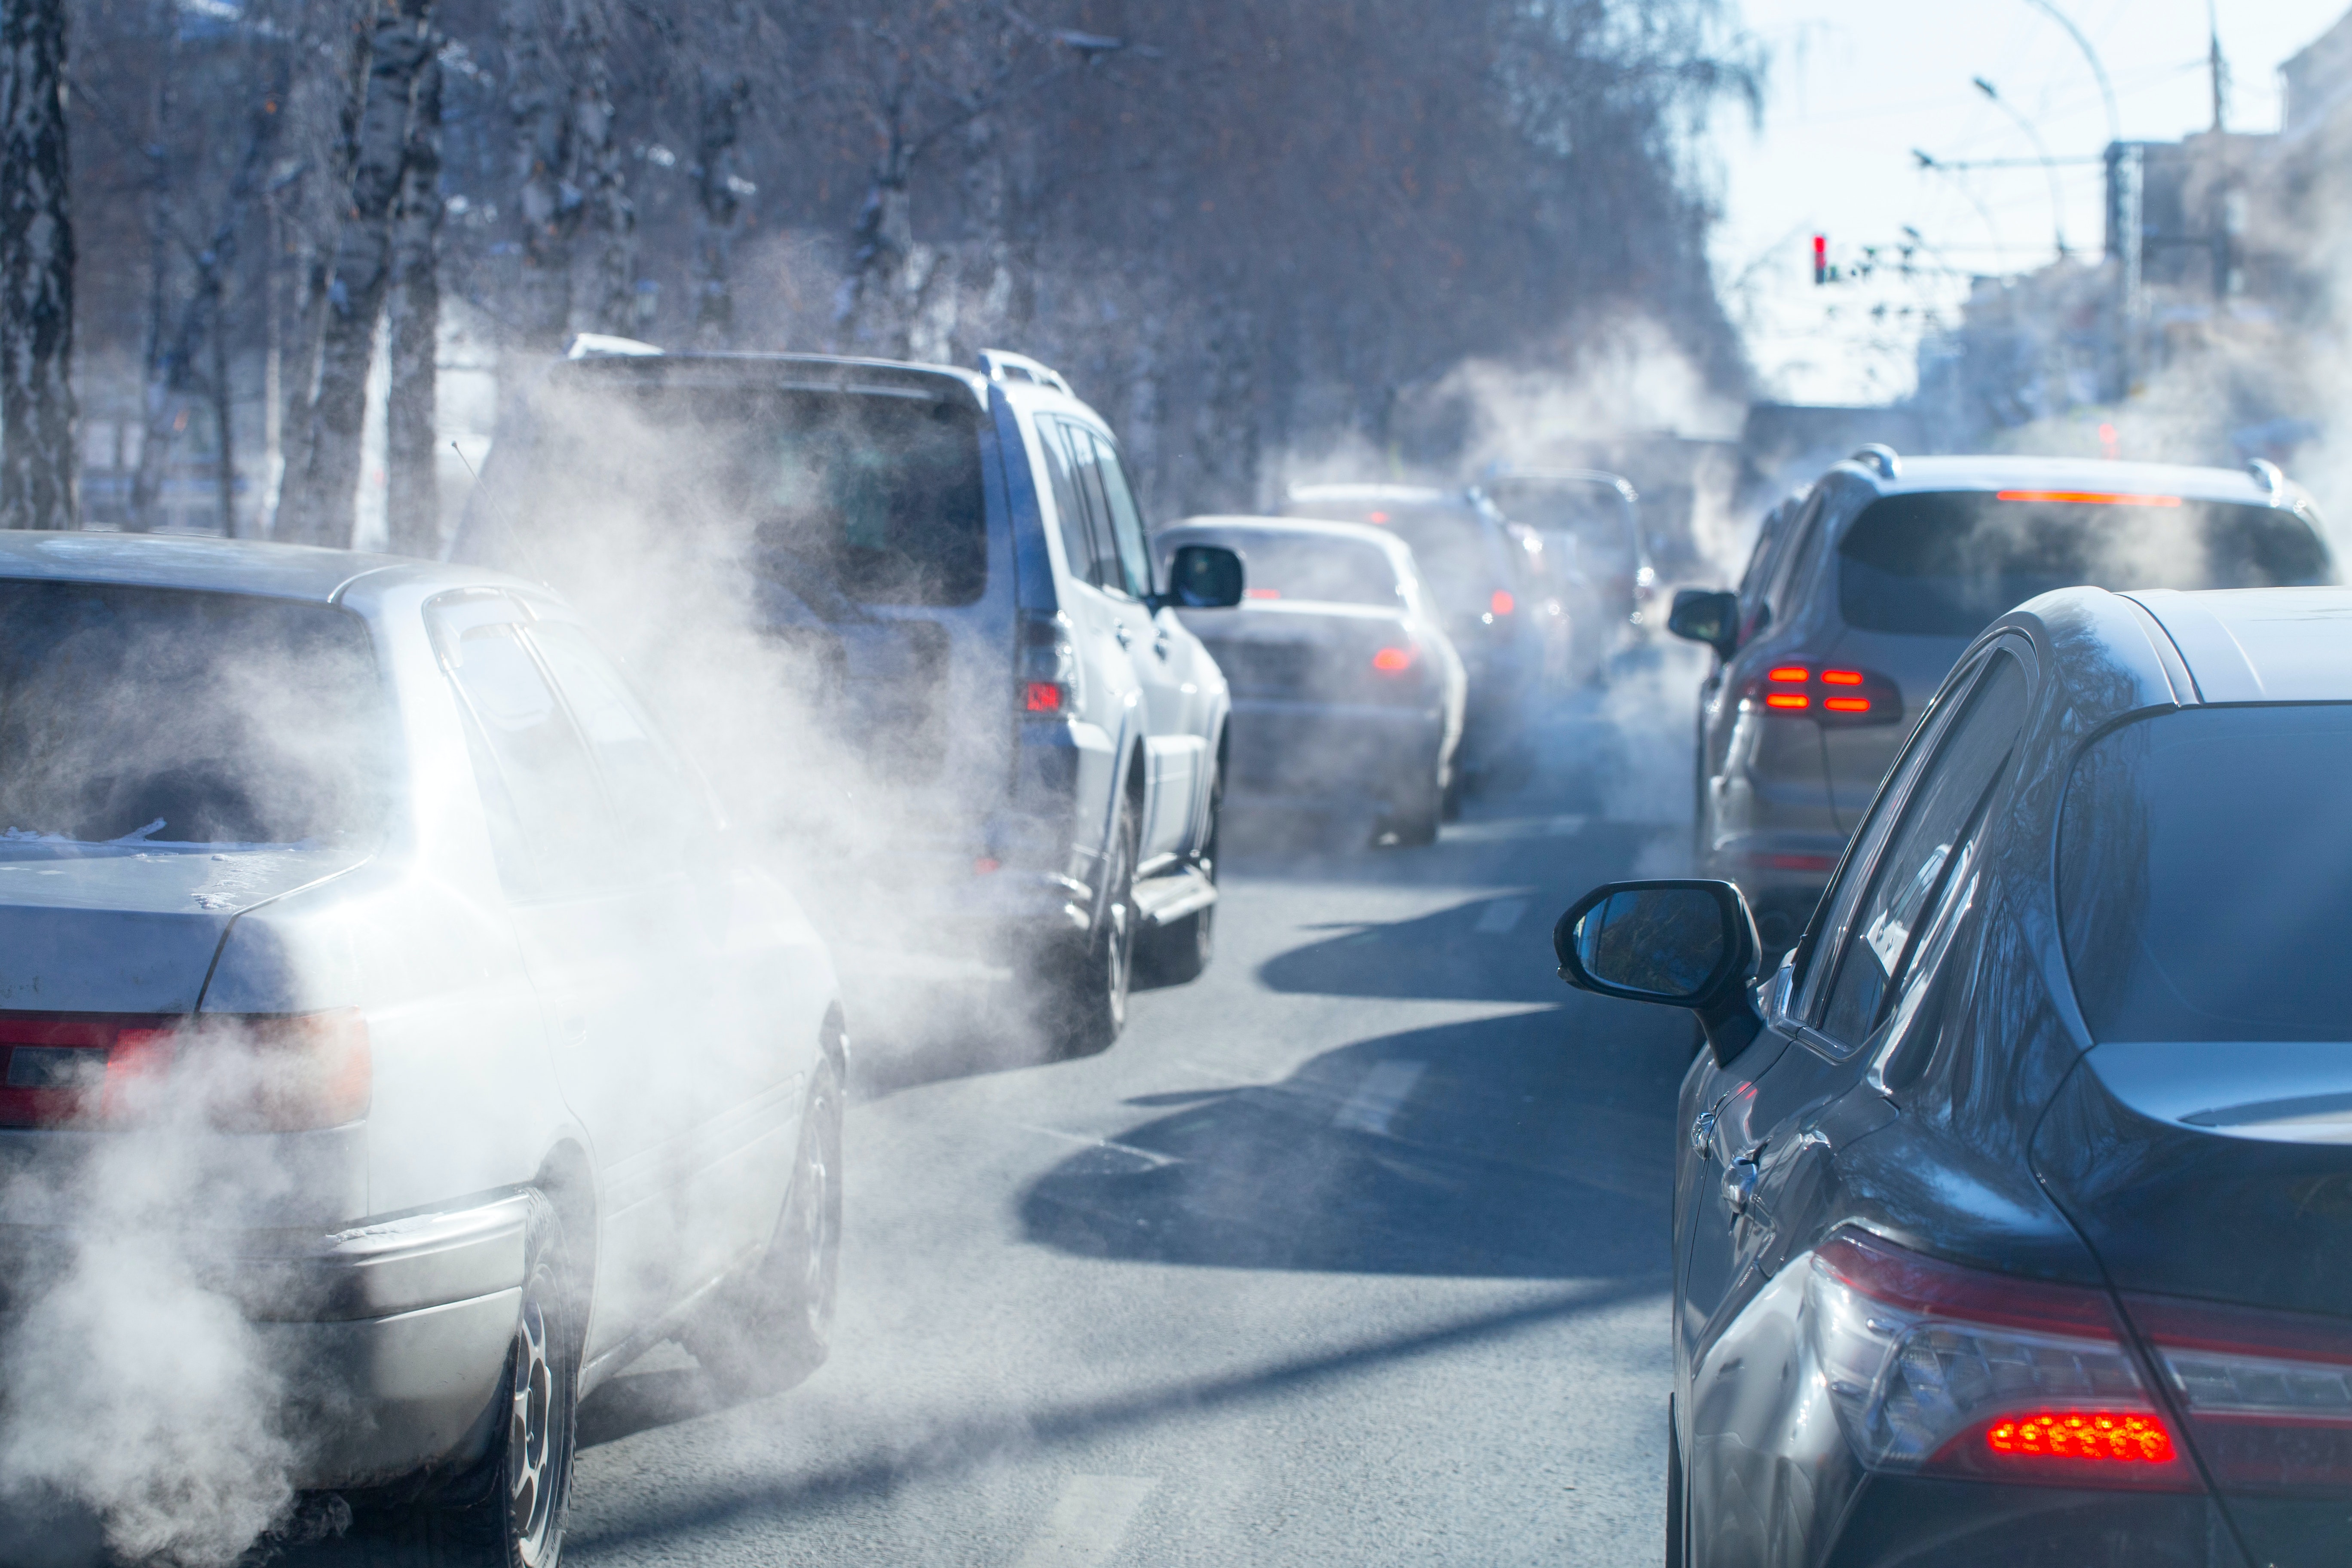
x: 1681, y: 944
x: 1706, y: 615
x: 1204, y: 577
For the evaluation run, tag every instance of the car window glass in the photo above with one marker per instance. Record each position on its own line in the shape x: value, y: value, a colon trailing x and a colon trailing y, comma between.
x: 541, y: 761
x: 657, y: 808
x: 1909, y: 873
x: 1126, y: 521
x: 1795, y: 559
x: 1088, y: 474
x: 1077, y: 544
x: 1770, y: 537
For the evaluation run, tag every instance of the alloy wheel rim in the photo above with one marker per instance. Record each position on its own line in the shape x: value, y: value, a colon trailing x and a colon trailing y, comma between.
x: 530, y: 1438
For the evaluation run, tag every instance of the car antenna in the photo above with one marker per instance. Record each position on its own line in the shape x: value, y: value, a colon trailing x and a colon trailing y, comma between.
x: 505, y: 521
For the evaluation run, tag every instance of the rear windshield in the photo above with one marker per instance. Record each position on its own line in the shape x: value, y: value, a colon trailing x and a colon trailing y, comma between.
x: 868, y: 497
x: 1947, y: 564
x: 1306, y: 566
x: 2205, y: 876
x: 1590, y: 519
x: 1448, y: 547
x: 160, y: 716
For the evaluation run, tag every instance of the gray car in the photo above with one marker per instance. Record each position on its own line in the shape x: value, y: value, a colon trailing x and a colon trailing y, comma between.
x: 1347, y: 693
x: 1863, y: 591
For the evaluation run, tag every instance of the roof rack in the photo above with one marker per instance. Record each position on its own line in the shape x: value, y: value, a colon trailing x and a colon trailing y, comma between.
x: 1877, y: 455
x: 1003, y: 365
x: 603, y: 345
x: 2267, y: 475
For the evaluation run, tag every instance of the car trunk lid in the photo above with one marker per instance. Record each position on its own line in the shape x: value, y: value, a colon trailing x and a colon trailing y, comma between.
x: 2214, y: 1183
x: 130, y: 929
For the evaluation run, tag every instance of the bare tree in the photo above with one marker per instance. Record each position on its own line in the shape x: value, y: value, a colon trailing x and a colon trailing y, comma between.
x: 721, y: 99
x: 411, y: 489
x: 400, y: 46
x: 40, y: 459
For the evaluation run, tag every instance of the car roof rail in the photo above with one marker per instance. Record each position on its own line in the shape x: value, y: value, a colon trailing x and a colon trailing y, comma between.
x: 603, y: 345
x: 1877, y: 455
x: 2267, y: 475
x: 1003, y: 364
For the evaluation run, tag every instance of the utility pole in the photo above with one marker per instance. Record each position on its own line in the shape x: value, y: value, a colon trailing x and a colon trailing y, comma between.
x: 2217, y: 69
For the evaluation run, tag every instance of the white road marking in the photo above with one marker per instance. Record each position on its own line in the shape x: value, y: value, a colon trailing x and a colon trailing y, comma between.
x: 1501, y: 915
x: 1088, y: 1521
x: 1561, y: 826
x: 1378, y: 1099
x: 1146, y: 1155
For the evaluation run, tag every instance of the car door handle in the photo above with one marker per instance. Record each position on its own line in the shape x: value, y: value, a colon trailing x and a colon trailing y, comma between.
x: 1702, y: 1135
x: 1159, y: 644
x: 1123, y: 634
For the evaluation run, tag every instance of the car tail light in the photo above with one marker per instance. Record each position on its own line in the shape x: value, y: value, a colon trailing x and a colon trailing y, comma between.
x: 2268, y: 1396
x: 1501, y: 603
x: 2087, y: 498
x: 1393, y: 661
x: 1262, y: 593
x: 1943, y: 1370
x: 252, y: 1073
x: 1047, y: 682
x: 1833, y: 696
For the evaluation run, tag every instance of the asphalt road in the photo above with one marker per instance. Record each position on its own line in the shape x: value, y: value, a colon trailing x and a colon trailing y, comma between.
x: 1353, y: 1251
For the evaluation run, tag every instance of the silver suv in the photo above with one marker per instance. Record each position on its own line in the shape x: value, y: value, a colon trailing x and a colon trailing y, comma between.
x: 1023, y: 746
x: 1864, y: 589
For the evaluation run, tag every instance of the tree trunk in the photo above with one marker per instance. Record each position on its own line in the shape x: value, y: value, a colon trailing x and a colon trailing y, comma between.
x: 143, y: 510
x: 223, y: 409
x: 413, y: 497
x: 879, y: 247
x: 323, y: 491
x: 549, y: 201
x: 40, y: 455
x: 609, y: 306
x: 720, y: 105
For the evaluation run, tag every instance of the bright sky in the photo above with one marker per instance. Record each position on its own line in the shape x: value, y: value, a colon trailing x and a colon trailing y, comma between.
x: 1855, y: 85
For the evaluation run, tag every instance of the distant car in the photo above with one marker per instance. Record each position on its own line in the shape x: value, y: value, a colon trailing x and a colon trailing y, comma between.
x: 981, y: 652
x: 2009, y: 1215
x: 1346, y: 691
x: 1491, y: 595
x: 1591, y: 528
x: 366, y: 894
x: 1857, y: 603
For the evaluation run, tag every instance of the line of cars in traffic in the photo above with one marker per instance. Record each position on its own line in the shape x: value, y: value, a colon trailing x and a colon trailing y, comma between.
x: 2007, y: 1217
x: 369, y: 921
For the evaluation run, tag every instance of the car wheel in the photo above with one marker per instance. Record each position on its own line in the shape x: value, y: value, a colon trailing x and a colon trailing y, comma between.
x: 1414, y: 821
x: 507, y: 1511
x: 774, y: 1327
x: 1177, y: 953
x: 1083, y: 985
x: 1450, y: 800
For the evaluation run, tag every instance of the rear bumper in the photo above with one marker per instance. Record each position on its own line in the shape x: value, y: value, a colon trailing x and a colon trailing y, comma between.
x: 389, y: 1338
x: 1330, y: 752
x: 1924, y: 1523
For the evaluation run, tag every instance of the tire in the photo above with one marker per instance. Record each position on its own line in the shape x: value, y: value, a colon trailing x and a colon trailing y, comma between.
x: 1082, y: 985
x: 1177, y: 954
x: 774, y: 1327
x: 1449, y: 801
x: 507, y: 1511
x: 1414, y: 822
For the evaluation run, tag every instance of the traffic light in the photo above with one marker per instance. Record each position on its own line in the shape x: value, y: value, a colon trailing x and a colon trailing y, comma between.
x: 1821, y: 259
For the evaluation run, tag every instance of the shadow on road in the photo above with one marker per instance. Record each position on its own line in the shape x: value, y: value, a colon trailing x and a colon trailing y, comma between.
x: 962, y: 1446
x: 1500, y: 1148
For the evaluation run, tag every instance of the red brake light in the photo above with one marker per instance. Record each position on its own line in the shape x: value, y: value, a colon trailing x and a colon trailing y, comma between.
x: 1392, y: 660
x: 2088, y: 498
x: 1841, y: 677
x: 1262, y: 593
x: 1796, y: 674
x: 1041, y: 696
x: 1786, y: 699
x: 275, y: 1073
x: 1376, y: 517
x: 1935, y: 1368
x: 1502, y: 604
x: 1846, y: 704
x: 1831, y: 697
x: 2097, y: 1437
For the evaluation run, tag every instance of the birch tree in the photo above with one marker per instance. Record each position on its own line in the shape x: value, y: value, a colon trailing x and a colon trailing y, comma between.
x: 41, y: 459
x: 400, y: 44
